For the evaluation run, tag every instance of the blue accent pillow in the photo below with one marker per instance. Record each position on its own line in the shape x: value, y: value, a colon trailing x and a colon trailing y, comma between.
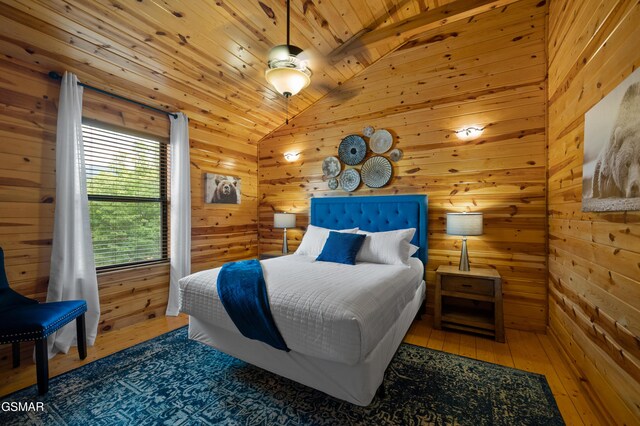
x: 341, y: 247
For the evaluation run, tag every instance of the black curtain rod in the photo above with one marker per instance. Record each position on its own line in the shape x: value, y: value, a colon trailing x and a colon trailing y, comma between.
x: 56, y: 76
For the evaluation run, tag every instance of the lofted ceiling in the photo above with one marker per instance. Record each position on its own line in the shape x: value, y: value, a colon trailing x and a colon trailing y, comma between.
x: 208, y: 57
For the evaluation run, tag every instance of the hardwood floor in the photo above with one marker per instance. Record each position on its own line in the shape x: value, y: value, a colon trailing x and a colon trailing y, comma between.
x: 527, y: 351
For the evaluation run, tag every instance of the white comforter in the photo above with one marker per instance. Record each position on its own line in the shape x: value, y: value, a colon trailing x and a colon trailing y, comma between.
x: 325, y: 310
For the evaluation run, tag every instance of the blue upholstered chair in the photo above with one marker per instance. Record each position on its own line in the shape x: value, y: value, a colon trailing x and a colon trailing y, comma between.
x: 23, y: 319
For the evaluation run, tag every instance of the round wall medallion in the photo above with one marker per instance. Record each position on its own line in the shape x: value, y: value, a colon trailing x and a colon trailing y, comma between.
x: 381, y: 141
x: 331, y: 167
x: 352, y: 150
x: 333, y: 183
x: 350, y: 180
x: 396, y: 155
x: 368, y: 131
x: 376, y: 172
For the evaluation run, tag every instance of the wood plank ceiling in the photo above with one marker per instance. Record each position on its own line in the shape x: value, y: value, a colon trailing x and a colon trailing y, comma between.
x: 207, y: 56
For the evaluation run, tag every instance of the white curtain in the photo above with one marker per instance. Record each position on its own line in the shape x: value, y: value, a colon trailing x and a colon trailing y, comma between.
x: 73, y: 271
x: 180, y: 209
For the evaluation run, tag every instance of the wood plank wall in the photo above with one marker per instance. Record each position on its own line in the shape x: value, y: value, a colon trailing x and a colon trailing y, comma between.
x: 594, y: 259
x: 28, y: 114
x: 487, y: 71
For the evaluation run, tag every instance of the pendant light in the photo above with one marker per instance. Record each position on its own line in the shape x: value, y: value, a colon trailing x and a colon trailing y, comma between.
x: 287, y: 73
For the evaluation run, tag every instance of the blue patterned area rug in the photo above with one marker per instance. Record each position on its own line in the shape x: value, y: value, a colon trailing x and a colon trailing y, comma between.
x: 172, y: 380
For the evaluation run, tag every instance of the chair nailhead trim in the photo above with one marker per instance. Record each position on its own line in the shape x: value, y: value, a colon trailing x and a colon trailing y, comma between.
x: 31, y: 335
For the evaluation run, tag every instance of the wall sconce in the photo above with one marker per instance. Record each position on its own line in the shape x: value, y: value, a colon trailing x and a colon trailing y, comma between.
x: 469, y: 133
x: 291, y: 156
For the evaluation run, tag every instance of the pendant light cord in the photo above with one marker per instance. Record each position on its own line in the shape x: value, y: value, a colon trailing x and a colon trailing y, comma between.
x: 288, y: 29
x: 288, y: 20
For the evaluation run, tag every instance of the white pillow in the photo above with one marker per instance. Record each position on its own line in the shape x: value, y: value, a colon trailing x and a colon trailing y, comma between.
x: 413, y: 249
x: 390, y: 247
x: 314, y: 239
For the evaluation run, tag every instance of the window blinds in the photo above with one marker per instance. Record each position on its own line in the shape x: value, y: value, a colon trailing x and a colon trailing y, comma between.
x: 127, y: 188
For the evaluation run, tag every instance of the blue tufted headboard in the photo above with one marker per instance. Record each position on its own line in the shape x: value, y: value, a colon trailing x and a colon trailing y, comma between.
x: 375, y: 214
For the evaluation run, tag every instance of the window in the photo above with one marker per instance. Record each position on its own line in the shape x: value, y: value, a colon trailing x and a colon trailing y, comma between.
x: 127, y: 188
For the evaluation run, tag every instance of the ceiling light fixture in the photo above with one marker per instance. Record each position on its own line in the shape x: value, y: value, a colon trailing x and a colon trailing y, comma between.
x: 469, y: 133
x: 287, y: 72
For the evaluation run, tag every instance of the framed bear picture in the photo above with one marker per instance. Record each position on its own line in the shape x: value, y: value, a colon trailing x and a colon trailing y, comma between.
x: 611, y: 164
x: 221, y: 189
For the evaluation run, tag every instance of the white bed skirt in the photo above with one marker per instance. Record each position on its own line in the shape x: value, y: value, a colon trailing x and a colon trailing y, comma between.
x: 356, y: 384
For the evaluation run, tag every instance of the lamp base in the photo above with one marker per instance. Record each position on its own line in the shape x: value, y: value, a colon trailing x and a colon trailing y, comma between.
x: 464, y: 257
x: 285, y: 246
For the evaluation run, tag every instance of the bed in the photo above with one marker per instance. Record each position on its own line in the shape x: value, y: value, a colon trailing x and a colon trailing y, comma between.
x: 342, y: 323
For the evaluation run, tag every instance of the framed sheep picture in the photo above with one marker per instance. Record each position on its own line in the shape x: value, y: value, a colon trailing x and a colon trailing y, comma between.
x: 611, y: 165
x: 221, y: 189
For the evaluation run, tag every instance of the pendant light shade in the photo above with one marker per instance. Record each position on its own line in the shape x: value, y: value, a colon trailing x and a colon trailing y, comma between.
x: 287, y: 72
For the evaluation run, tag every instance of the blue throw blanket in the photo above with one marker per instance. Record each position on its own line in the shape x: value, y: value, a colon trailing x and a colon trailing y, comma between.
x: 243, y: 293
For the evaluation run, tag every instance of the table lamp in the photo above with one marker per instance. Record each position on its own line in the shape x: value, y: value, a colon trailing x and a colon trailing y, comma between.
x: 284, y: 221
x: 464, y: 224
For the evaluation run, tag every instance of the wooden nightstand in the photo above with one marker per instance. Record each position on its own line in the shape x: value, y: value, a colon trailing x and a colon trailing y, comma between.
x: 469, y: 301
x: 272, y: 254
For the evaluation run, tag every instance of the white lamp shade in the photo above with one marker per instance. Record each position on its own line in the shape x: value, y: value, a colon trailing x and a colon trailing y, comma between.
x: 284, y: 220
x: 464, y: 224
x: 287, y: 80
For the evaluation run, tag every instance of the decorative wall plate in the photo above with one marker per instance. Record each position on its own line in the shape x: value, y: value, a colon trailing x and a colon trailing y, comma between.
x: 350, y: 180
x: 396, y: 155
x: 376, y: 172
x: 368, y: 131
x: 331, y: 167
x: 381, y: 141
x: 333, y: 183
x: 352, y: 150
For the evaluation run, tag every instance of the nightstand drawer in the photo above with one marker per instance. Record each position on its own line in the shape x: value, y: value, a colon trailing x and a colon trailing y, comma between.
x: 472, y: 285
